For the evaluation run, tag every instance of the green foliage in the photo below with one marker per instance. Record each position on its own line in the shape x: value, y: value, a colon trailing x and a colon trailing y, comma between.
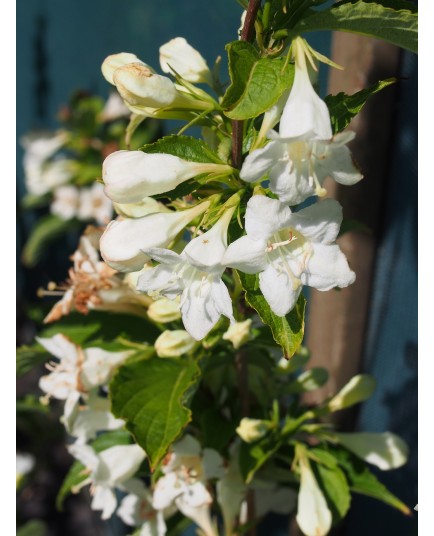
x: 335, y: 488
x: 185, y: 147
x: 308, y: 381
x: 46, y: 231
x: 287, y: 331
x: 150, y: 394
x: 29, y: 357
x: 343, y: 108
x: 253, y: 456
x: 35, y: 527
x: 396, y: 26
x: 257, y: 83
x: 362, y: 480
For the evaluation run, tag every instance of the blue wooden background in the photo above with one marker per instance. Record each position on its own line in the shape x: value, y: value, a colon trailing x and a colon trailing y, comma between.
x: 60, y: 47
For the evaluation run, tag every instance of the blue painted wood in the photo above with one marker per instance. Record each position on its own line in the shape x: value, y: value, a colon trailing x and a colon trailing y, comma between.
x: 391, y: 350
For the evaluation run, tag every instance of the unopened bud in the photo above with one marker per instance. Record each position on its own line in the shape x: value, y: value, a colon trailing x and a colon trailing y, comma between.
x: 174, y: 343
x: 238, y: 333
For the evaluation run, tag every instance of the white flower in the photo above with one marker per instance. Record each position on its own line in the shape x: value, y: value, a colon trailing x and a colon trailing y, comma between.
x: 129, y: 176
x: 114, y: 61
x: 174, y: 343
x: 186, y: 472
x: 84, y: 422
x: 95, y: 205
x: 290, y: 250
x: 79, y: 370
x: 125, y: 240
x: 251, y: 430
x: 25, y: 463
x: 136, y: 510
x: 313, y: 515
x: 304, y: 153
x: 185, y: 60
x: 358, y: 389
x: 238, y: 333
x: 195, y: 274
x: 108, y: 469
x: 114, y: 108
x: 145, y: 206
x: 164, y: 310
x: 65, y: 203
x: 386, y: 451
x: 41, y: 173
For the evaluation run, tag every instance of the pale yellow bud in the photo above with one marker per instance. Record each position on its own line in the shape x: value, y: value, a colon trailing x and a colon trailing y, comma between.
x: 357, y: 390
x: 238, y: 333
x: 174, y: 343
x: 164, y: 310
x: 251, y: 430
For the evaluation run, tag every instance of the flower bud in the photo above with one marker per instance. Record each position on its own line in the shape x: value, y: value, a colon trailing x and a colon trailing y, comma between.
x: 115, y: 61
x: 129, y: 176
x: 238, y: 333
x: 185, y: 60
x: 174, y: 343
x: 147, y: 205
x: 357, y: 390
x: 251, y: 430
x: 124, y: 240
x: 386, y: 450
x: 164, y: 310
x: 139, y: 86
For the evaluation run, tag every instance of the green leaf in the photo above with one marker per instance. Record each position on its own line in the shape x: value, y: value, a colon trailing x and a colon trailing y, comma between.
x: 217, y: 431
x: 343, y: 108
x: 46, y: 231
x: 253, y: 456
x: 150, y: 395
x: 398, y: 27
x: 308, y: 381
x: 288, y: 330
x: 362, y: 480
x: 185, y: 147
x: 335, y: 487
x: 30, y: 403
x: 35, y: 527
x: 29, y: 357
x: 32, y: 201
x: 257, y: 83
x: 75, y: 476
x: 111, y: 439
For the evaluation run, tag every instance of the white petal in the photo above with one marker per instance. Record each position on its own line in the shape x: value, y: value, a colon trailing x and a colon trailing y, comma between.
x: 337, y: 163
x: 265, y: 216
x: 320, y: 222
x: 327, y: 268
x: 313, y: 515
x: 185, y: 60
x: 113, y: 62
x: 212, y: 464
x: 104, y: 499
x: 166, y: 490
x: 291, y: 181
x: 304, y: 111
x: 278, y: 289
x: 121, y: 462
x: 247, y: 255
x: 162, y: 280
x: 386, y: 450
x: 187, y: 446
x: 99, y: 365
x: 85, y: 455
x: 258, y: 162
x: 61, y: 347
x: 59, y: 384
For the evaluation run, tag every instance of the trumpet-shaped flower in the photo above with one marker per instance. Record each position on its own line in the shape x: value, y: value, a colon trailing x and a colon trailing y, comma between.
x: 179, y: 55
x: 304, y: 153
x: 129, y: 176
x: 109, y: 469
x: 195, y: 274
x: 115, y: 61
x: 125, y: 241
x: 95, y: 205
x: 290, y: 250
x: 186, y: 472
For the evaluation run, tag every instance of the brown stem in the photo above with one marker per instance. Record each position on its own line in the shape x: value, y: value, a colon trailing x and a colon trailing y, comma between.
x: 237, y: 126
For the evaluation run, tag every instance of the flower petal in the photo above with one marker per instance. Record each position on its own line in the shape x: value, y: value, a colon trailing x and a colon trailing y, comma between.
x: 265, y: 216
x: 247, y: 255
x: 327, y: 268
x: 337, y: 163
x: 278, y: 289
x: 258, y: 162
x: 320, y: 222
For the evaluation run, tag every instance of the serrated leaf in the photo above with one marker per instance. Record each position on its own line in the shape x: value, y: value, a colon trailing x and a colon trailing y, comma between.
x: 398, y: 27
x: 287, y: 331
x: 362, y: 480
x: 335, y: 487
x: 149, y: 395
x: 343, y: 108
x: 257, y: 83
x: 185, y: 147
x: 46, y: 231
